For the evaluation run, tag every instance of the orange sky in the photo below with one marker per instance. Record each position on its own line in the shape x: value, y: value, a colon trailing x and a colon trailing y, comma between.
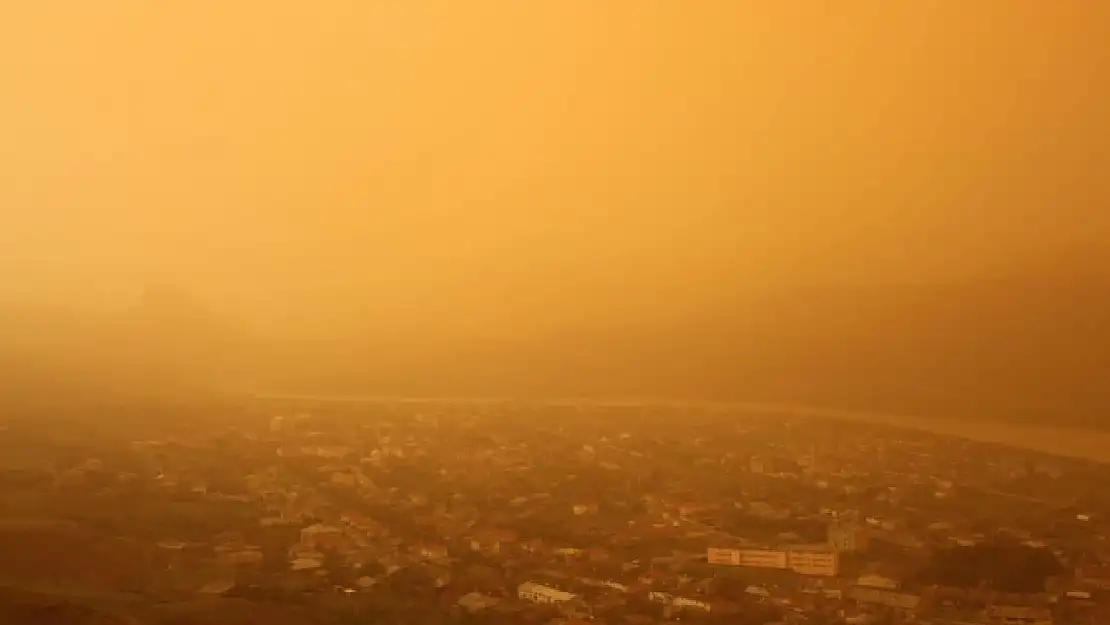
x: 315, y: 166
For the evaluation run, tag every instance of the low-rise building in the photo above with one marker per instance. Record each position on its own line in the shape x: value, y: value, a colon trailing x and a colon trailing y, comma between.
x: 814, y: 562
x: 539, y: 593
x: 492, y: 541
x: 320, y: 535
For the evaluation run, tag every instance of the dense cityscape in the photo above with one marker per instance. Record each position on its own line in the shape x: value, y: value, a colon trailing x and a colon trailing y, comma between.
x: 509, y: 512
x: 622, y: 312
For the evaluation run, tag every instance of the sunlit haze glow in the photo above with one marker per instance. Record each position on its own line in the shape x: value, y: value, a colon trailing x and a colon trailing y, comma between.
x: 454, y: 172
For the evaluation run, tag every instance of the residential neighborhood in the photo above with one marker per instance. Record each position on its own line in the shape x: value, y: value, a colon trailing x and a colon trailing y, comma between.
x: 516, y: 512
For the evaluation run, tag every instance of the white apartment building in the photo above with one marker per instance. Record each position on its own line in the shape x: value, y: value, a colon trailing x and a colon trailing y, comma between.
x: 822, y: 563
x: 538, y: 593
x: 687, y: 603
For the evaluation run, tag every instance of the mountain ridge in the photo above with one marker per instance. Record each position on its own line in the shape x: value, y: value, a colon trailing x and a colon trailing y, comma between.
x: 1026, y: 350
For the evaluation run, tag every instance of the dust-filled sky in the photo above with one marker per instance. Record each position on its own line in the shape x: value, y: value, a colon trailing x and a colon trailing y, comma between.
x: 312, y: 167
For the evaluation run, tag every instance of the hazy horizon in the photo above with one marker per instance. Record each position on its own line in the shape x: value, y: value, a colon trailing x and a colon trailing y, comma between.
x: 700, y: 198
x: 317, y: 169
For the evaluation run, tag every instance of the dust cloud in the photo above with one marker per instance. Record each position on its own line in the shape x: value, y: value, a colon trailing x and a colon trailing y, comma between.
x: 882, y: 206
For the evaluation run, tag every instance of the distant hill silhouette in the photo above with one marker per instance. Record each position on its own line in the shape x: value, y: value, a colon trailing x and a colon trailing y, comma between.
x: 1022, y: 350
x: 1005, y: 349
x: 163, y: 345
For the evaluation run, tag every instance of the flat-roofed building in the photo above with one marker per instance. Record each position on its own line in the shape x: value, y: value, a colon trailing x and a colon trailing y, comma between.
x: 538, y: 593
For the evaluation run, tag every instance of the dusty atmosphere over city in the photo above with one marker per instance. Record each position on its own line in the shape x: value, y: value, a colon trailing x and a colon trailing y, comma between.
x: 625, y: 312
